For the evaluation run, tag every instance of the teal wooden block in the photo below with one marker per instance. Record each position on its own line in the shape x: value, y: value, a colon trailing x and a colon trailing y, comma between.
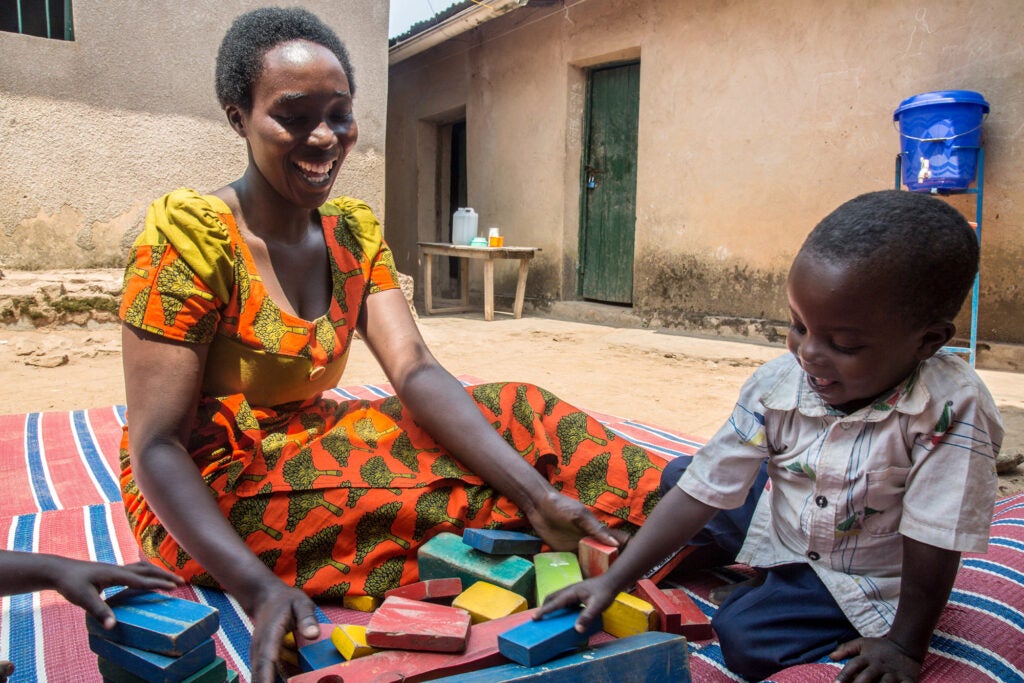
x: 446, y: 556
x: 319, y: 655
x: 215, y: 672
x: 500, y: 542
x: 651, y: 657
x: 535, y: 642
x: 153, y: 666
x: 555, y: 571
x: 156, y: 622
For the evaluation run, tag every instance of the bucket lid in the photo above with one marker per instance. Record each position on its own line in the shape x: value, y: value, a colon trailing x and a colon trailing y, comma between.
x: 941, y: 97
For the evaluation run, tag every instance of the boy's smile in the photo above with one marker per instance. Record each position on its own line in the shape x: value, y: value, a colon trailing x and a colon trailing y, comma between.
x: 849, y: 334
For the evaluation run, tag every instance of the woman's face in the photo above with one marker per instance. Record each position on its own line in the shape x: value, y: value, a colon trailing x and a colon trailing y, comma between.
x: 301, y: 125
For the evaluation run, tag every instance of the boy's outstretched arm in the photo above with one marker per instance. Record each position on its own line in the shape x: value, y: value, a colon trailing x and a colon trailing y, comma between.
x: 673, y: 522
x: 926, y: 581
x: 79, y: 581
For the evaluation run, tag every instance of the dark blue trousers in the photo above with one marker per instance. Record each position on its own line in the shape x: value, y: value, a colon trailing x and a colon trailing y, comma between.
x: 789, y: 619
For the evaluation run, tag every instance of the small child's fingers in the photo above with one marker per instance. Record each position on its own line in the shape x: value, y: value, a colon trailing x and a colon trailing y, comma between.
x: 146, y: 575
x: 91, y: 602
x: 566, y: 597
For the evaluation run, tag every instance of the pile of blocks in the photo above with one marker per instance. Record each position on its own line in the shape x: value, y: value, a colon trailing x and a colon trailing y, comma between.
x: 469, y: 618
x: 158, y: 638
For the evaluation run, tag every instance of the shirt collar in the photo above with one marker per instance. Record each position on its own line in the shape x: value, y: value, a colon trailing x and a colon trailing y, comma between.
x: 792, y: 392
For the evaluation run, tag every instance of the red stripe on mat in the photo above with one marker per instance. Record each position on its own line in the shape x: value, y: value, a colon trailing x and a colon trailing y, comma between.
x: 17, y: 498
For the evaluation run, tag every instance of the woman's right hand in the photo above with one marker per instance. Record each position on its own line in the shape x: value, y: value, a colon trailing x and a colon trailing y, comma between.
x: 595, y: 594
x: 274, y: 612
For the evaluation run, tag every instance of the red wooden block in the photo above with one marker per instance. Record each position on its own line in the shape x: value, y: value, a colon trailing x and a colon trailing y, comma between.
x: 659, y: 571
x: 389, y: 666
x: 668, y: 608
x: 431, y: 589
x: 694, y: 624
x: 595, y: 557
x: 415, y: 625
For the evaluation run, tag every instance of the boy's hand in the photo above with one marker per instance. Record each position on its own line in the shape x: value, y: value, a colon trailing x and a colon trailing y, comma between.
x: 594, y: 594
x: 875, y: 659
x: 81, y: 581
x: 6, y: 669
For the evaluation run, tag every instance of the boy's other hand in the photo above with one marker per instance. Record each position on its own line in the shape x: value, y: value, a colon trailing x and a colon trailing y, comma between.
x: 594, y: 594
x: 875, y: 659
x: 81, y: 581
x: 6, y: 669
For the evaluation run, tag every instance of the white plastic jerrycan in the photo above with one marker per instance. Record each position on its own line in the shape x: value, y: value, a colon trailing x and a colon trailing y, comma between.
x: 464, y: 223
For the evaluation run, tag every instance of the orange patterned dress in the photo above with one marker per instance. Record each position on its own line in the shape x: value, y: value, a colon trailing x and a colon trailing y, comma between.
x: 335, y: 496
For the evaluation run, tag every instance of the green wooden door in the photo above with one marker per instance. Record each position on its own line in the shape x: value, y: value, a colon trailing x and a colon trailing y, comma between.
x: 609, y: 185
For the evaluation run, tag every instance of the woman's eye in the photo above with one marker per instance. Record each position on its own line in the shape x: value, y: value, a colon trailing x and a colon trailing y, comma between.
x: 846, y: 349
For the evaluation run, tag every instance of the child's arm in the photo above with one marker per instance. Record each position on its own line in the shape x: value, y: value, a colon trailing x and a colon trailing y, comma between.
x: 926, y: 581
x: 673, y: 522
x: 79, y: 581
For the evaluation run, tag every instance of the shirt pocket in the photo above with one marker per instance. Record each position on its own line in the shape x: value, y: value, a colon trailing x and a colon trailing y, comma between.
x: 883, y: 500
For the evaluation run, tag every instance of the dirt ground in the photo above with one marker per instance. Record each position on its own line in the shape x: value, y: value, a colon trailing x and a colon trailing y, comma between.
x: 682, y: 382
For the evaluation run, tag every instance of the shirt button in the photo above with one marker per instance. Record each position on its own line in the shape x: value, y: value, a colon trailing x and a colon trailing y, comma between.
x: 813, y: 556
x: 821, y: 501
x: 316, y: 373
x: 844, y: 426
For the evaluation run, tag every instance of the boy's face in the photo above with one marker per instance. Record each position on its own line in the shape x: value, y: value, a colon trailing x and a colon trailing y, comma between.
x: 848, y: 334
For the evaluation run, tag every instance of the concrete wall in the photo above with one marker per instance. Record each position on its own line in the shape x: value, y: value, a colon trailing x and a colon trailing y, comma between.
x: 91, y: 131
x: 756, y: 119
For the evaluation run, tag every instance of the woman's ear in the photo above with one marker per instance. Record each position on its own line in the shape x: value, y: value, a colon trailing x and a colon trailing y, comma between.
x: 934, y: 337
x: 235, y: 119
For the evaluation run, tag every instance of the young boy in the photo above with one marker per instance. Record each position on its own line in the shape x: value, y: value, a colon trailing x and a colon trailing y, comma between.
x: 80, y: 581
x: 880, y: 451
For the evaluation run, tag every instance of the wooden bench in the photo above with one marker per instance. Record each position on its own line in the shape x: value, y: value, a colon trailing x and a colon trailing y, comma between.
x: 464, y: 253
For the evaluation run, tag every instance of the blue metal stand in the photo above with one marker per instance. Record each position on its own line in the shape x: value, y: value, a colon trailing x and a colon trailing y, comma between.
x: 979, y: 191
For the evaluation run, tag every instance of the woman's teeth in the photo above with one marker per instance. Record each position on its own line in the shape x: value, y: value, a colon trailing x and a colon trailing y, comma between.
x: 316, y: 172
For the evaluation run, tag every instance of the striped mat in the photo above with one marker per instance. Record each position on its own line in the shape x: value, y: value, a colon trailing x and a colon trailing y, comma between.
x: 61, y: 496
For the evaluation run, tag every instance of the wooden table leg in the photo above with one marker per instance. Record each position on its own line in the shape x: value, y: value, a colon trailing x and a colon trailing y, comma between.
x: 463, y: 283
x: 428, y: 290
x: 517, y: 310
x: 489, y: 289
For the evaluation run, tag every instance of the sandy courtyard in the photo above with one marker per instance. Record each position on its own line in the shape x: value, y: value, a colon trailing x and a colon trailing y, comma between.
x: 685, y: 383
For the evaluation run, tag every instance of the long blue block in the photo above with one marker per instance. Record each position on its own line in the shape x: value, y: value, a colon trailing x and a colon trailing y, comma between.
x: 446, y: 556
x: 535, y: 642
x: 319, y: 655
x: 651, y: 657
x: 157, y: 622
x: 499, y: 542
x: 154, y: 667
x: 215, y: 672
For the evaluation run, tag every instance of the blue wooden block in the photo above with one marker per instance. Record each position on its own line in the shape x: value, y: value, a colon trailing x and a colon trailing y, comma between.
x: 156, y: 622
x: 153, y: 666
x: 535, y: 642
x: 319, y: 655
x: 651, y: 657
x: 215, y: 672
x: 498, y: 542
x: 446, y: 556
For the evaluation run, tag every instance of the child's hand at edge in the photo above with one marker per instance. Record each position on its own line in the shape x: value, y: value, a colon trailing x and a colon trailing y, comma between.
x: 594, y: 594
x: 875, y: 659
x: 6, y: 669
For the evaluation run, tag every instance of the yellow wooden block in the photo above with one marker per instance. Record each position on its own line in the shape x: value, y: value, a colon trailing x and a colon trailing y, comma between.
x: 289, y: 640
x: 351, y: 641
x: 361, y: 603
x: 290, y: 656
x: 629, y: 615
x: 485, y: 601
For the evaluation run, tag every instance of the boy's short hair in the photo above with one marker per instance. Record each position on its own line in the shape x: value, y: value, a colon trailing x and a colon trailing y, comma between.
x: 253, y: 34
x: 923, y: 246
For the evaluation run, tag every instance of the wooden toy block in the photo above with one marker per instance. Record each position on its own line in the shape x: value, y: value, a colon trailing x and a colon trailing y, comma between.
x: 361, y: 603
x: 658, y: 572
x: 649, y: 657
x: 629, y: 615
x: 325, y: 634
x: 414, y: 625
x: 388, y: 666
x: 215, y: 672
x: 595, y: 557
x: 431, y: 589
x: 554, y: 571
x: 290, y: 656
x: 153, y: 666
x: 485, y: 601
x: 667, y: 607
x: 156, y: 622
x: 446, y: 556
x: 319, y: 655
x: 693, y: 623
x: 499, y: 542
x: 350, y: 640
x: 536, y: 642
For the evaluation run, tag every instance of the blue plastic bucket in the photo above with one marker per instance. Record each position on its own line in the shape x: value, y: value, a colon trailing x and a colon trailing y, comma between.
x: 940, y: 134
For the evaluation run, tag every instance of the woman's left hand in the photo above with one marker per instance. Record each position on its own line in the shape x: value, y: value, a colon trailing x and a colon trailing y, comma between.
x: 562, y: 521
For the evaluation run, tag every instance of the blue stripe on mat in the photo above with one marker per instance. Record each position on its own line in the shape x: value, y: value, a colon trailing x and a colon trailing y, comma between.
x: 646, y: 444
x: 233, y: 629
x: 997, y: 569
x: 44, y: 495
x: 978, y: 657
x: 97, y: 465
x: 664, y: 434
x: 985, y: 604
x: 24, y: 650
x: 120, y: 412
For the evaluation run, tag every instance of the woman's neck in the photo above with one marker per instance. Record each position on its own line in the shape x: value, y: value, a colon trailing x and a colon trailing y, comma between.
x: 264, y: 213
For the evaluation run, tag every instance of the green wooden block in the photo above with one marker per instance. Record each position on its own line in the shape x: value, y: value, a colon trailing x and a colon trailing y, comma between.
x: 446, y: 556
x: 555, y: 571
x: 215, y: 672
